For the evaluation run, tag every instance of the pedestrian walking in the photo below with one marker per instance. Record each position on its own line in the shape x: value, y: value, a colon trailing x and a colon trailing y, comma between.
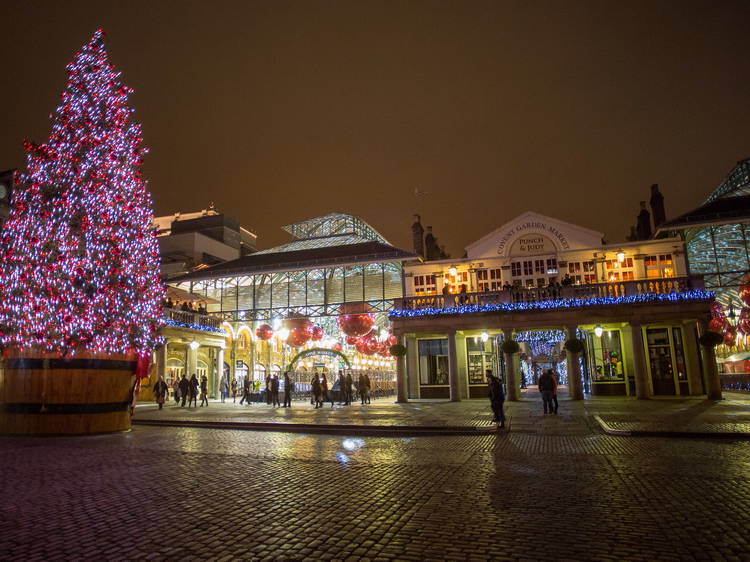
x: 275, y: 391
x: 204, y: 390
x: 224, y: 388
x: 546, y: 387
x: 268, y: 389
x: 233, y: 387
x: 193, y: 390
x: 176, y: 390
x: 245, y: 391
x: 342, y: 393
x: 364, y: 388
x: 554, y: 390
x: 316, y: 390
x: 348, y: 387
x: 369, y: 387
x: 184, y: 387
x: 324, y: 394
x: 497, y: 398
x: 160, y: 391
x: 288, y: 388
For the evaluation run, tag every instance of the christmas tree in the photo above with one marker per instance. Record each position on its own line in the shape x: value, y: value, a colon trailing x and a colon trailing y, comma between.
x: 79, y: 260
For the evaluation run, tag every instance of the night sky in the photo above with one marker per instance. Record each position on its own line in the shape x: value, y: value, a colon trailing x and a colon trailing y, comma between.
x: 279, y: 111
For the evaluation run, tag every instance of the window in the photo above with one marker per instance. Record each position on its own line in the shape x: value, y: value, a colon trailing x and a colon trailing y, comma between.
x: 588, y: 266
x: 605, y: 357
x: 433, y: 362
x: 495, y: 274
x: 424, y: 284
x: 528, y: 267
x: 482, y: 275
x: 574, y: 267
x: 539, y: 266
x: 628, y: 276
x: 552, y: 266
x: 515, y: 269
x: 479, y: 358
x: 588, y: 279
x: 659, y: 266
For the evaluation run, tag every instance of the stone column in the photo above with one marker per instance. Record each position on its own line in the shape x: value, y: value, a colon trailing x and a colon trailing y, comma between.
x: 708, y: 354
x: 192, y: 361
x: 219, y: 372
x: 575, y: 384
x: 511, y: 373
x: 455, y: 391
x: 401, y: 392
x: 642, y: 390
x: 161, y: 361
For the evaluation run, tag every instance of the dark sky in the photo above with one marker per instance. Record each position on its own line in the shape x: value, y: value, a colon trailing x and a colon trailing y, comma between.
x: 279, y: 111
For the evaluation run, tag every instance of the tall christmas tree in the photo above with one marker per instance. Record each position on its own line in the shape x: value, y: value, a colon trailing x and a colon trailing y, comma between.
x: 79, y: 260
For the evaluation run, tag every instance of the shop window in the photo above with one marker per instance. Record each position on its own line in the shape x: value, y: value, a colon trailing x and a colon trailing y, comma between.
x: 479, y: 357
x: 660, y: 360
x: 433, y: 362
x: 605, y: 357
x: 679, y: 354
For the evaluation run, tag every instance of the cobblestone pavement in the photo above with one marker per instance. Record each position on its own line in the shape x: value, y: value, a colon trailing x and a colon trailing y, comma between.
x: 561, y: 490
x: 697, y: 415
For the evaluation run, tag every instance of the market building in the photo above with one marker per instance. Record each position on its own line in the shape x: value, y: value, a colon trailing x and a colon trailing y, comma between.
x: 540, y: 281
x: 303, y: 306
x: 716, y: 236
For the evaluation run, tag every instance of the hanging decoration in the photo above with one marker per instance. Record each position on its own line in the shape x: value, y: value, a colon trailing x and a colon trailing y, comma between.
x: 744, y: 293
x: 743, y: 324
x: 355, y: 319
x: 317, y: 333
x: 264, y: 332
x: 80, y: 266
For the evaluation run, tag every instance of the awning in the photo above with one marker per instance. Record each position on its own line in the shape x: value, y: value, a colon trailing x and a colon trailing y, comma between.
x: 741, y: 356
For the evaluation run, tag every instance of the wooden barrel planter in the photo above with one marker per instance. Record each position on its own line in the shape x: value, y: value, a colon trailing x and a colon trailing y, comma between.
x: 44, y: 394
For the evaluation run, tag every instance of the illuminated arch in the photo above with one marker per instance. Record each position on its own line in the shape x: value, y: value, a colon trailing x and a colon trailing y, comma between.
x: 317, y: 351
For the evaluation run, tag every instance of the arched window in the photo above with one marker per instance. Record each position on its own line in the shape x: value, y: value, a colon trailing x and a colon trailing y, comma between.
x: 175, y: 368
x: 260, y: 372
x: 240, y: 372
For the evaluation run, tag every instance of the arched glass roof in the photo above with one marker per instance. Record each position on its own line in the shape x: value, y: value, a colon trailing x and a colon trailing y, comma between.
x: 736, y: 184
x: 333, y: 229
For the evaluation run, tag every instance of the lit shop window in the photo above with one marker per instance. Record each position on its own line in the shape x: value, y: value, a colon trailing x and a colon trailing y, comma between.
x: 424, y: 284
x: 605, y: 356
x: 433, y: 362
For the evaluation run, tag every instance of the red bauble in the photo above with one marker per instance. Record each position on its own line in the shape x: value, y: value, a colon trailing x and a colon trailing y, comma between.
x: 298, y: 336
x: 392, y: 340
x: 744, y: 322
x: 362, y: 347
x: 717, y: 324
x: 317, y: 333
x: 729, y: 337
x: 351, y: 340
x: 337, y: 346
x: 717, y: 310
x: 264, y: 332
x: 744, y: 293
x: 355, y: 324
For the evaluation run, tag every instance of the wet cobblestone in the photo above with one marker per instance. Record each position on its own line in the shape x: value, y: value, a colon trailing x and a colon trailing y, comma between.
x: 178, y: 493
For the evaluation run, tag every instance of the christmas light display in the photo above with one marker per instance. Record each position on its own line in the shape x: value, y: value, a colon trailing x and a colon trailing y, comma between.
x: 79, y: 266
x: 558, y: 304
x: 193, y: 326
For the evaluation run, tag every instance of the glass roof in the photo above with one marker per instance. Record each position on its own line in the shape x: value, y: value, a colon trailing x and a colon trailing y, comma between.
x: 736, y: 184
x: 334, y: 229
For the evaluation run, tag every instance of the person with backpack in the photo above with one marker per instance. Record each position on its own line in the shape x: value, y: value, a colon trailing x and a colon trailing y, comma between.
x: 547, y: 388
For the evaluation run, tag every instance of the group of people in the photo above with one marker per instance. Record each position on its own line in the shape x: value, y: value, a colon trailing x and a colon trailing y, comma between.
x: 184, y: 390
x: 185, y: 306
x: 547, y: 387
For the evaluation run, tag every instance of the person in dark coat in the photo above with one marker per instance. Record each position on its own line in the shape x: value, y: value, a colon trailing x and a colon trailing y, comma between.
x: 547, y: 388
x: 364, y: 388
x: 268, y: 389
x: 160, y: 392
x: 233, y: 386
x: 275, y: 391
x: 288, y: 388
x: 348, y: 388
x: 245, y: 390
x: 224, y: 388
x: 184, y: 388
x: 324, y: 394
x: 204, y: 390
x: 193, y: 390
x: 316, y: 391
x: 497, y: 398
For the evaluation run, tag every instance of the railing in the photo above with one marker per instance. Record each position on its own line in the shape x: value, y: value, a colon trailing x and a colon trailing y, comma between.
x: 737, y: 382
x: 537, y: 294
x: 192, y: 320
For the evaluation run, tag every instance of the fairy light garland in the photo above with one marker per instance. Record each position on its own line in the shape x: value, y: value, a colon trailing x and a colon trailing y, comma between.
x: 79, y: 265
x: 193, y: 326
x: 558, y: 304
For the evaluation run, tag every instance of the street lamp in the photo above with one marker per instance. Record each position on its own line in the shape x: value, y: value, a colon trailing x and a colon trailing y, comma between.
x: 485, y: 336
x: 598, y: 331
x: 452, y: 270
x: 621, y: 256
x: 194, y: 345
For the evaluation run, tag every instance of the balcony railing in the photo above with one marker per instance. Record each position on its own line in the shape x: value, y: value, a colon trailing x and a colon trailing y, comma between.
x: 193, y: 320
x: 538, y: 294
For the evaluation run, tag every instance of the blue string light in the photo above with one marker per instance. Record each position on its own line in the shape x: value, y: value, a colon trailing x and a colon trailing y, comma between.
x: 191, y: 326
x: 699, y: 295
